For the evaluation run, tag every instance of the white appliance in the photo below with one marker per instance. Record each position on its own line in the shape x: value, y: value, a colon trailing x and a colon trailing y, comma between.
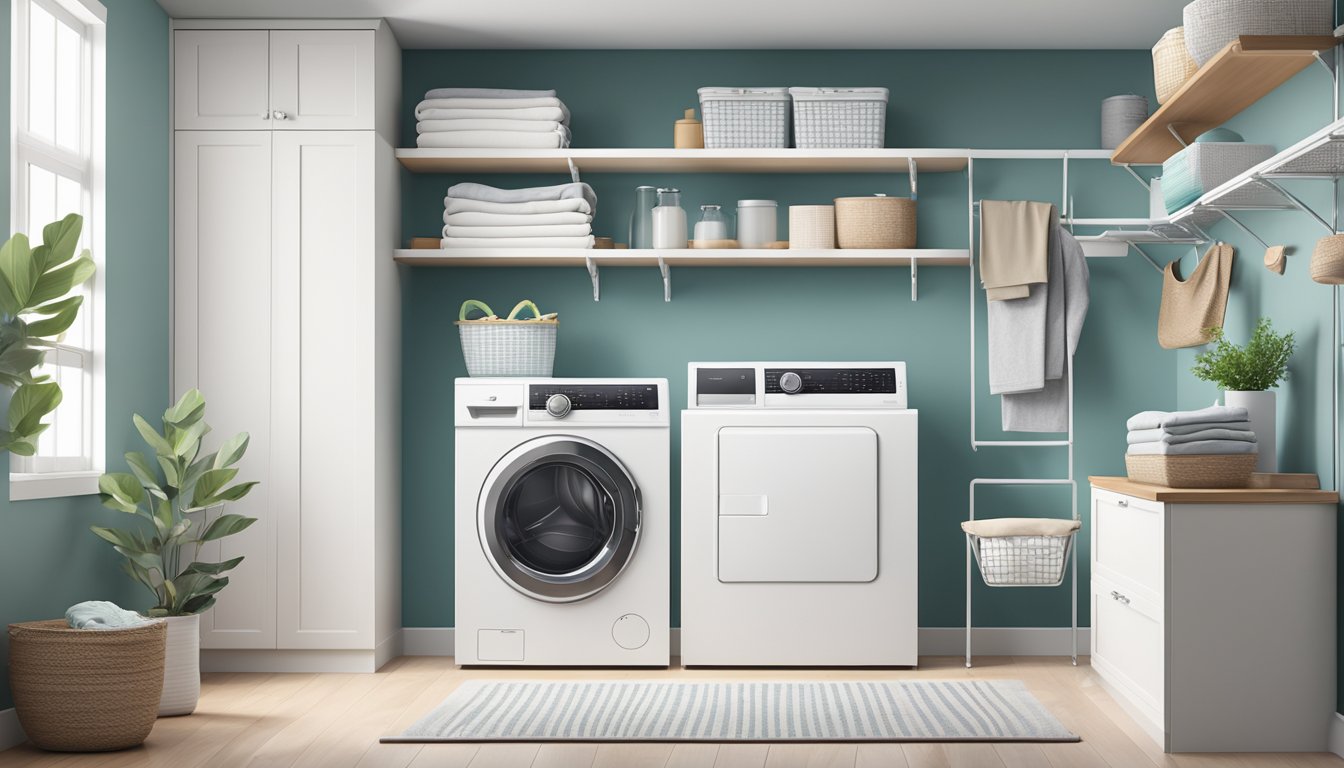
x: 799, y: 523
x: 563, y: 530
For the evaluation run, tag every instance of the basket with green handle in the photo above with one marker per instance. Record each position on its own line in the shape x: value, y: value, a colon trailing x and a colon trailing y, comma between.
x: 512, y: 346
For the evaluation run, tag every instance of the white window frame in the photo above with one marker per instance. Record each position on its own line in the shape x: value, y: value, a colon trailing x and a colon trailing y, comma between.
x: 49, y: 477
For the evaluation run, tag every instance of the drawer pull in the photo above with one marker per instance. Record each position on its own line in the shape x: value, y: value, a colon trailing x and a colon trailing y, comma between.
x: 1119, y: 598
x: 1122, y: 503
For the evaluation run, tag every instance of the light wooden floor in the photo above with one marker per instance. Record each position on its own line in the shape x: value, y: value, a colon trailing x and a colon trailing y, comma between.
x: 328, y: 721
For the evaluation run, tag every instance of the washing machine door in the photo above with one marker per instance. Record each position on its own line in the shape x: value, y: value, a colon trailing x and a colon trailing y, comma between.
x: 559, y: 518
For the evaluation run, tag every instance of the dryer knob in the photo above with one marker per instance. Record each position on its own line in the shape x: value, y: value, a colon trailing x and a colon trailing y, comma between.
x: 791, y: 383
x: 558, y: 406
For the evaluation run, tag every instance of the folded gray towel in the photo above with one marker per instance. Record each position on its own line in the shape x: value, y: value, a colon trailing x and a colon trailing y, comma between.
x: 489, y: 194
x: 1163, y: 436
x: 1197, y: 448
x: 100, y: 614
x: 1214, y: 413
x: 486, y: 93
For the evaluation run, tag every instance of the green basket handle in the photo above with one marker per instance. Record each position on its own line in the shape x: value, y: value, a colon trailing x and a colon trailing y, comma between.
x: 525, y: 303
x: 471, y: 304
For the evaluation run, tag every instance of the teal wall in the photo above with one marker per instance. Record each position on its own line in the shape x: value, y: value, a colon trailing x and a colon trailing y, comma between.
x: 939, y: 99
x: 48, y: 558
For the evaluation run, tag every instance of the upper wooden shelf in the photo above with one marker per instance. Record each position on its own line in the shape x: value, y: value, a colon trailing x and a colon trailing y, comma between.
x: 682, y: 160
x: 570, y: 257
x: 1237, y: 77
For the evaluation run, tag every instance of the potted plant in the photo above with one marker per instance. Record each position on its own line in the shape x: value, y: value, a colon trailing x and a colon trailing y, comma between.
x: 174, y: 521
x: 1247, y: 374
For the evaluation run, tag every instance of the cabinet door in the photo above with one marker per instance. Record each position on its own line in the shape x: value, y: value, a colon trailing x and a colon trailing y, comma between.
x: 325, y: 241
x: 222, y: 345
x: 322, y: 79
x: 221, y: 79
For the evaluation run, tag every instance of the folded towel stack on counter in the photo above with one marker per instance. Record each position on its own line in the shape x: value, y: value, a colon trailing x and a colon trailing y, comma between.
x: 480, y: 216
x: 491, y: 117
x: 1215, y: 430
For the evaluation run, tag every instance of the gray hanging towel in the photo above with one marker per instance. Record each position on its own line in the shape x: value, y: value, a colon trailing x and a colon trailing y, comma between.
x: 1047, y: 409
x: 1192, y: 306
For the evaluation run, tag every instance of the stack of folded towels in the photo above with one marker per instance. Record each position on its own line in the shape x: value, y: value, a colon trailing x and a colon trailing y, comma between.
x: 479, y: 216
x: 1216, y: 430
x: 491, y: 117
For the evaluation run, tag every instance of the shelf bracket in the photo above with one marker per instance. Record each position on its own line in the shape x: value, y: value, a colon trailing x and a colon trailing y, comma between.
x: 914, y: 278
x: 1146, y: 257
x: 592, y: 273
x: 1297, y: 203
x: 666, y: 272
x: 1242, y: 227
x: 1145, y: 184
x: 1329, y: 65
x: 914, y: 178
x: 573, y: 170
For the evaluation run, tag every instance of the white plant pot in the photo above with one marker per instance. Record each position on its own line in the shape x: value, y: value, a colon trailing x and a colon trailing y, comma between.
x: 1260, y: 406
x: 182, y: 666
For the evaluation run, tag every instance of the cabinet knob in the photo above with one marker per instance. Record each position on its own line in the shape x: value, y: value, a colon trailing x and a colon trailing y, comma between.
x: 279, y: 115
x: 1119, y: 598
x: 1122, y: 503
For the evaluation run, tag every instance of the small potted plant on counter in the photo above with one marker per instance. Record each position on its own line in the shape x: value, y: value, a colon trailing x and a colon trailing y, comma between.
x: 1247, y: 374
x: 175, y: 520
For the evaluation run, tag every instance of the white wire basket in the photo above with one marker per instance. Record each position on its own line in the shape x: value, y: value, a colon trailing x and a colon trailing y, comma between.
x: 1022, y: 561
x: 752, y: 118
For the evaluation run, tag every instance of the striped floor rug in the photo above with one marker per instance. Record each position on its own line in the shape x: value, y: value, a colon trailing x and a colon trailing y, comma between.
x: 925, y: 710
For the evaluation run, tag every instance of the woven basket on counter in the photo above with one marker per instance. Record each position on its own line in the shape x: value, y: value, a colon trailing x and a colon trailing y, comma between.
x: 1327, y: 260
x: 1203, y: 471
x: 1172, y: 65
x: 86, y: 690
x: 508, y: 347
x: 875, y: 222
x: 812, y: 226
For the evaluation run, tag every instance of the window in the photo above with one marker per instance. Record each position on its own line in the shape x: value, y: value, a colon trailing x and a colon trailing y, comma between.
x: 57, y: 161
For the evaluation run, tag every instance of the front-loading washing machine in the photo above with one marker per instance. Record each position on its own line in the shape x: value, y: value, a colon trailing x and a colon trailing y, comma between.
x: 562, y: 522
x: 799, y: 516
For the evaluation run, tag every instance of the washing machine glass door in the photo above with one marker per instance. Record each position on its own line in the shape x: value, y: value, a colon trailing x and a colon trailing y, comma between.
x: 559, y: 518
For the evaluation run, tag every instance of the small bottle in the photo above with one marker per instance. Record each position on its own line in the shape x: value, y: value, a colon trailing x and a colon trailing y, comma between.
x: 713, y: 225
x: 669, y: 220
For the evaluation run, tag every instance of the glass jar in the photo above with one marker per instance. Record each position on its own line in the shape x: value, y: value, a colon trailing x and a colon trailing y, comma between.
x: 757, y: 224
x: 641, y: 219
x: 669, y: 220
x: 712, y: 226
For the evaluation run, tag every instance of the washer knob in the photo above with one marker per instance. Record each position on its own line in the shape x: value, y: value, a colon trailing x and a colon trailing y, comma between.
x: 558, y: 406
x: 791, y: 383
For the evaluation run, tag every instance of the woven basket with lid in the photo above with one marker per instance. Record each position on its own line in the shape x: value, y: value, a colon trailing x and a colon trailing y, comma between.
x: 1172, y: 64
x: 875, y: 222
x: 1327, y: 260
x: 86, y: 690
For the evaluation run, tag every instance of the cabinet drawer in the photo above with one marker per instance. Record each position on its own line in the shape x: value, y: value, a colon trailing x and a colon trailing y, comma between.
x: 1129, y: 540
x: 1128, y: 642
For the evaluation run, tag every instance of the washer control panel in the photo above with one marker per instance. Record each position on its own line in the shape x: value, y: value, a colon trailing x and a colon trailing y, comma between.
x: 560, y: 399
x: 797, y: 385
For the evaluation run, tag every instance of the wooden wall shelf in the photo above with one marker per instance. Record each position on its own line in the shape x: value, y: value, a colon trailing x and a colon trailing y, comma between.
x: 1237, y: 77
x: 681, y: 160
x: 577, y: 257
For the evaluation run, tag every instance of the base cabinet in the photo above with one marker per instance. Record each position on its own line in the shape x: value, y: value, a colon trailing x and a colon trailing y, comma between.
x: 1213, y: 624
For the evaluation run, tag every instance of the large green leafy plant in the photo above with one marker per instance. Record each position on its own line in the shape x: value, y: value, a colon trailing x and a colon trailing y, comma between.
x: 1256, y: 367
x: 35, y: 309
x: 174, y: 509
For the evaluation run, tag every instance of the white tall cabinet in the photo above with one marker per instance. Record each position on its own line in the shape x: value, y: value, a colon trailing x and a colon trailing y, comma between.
x: 287, y: 317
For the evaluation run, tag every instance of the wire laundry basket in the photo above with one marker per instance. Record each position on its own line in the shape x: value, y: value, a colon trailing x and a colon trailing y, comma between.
x: 1022, y: 561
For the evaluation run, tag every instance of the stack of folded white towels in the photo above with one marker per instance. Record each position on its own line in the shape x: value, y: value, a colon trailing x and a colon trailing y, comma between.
x: 1216, y: 430
x: 491, y: 117
x: 479, y: 216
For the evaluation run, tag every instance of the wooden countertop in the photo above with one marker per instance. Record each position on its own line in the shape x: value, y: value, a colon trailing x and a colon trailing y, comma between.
x: 1266, y: 489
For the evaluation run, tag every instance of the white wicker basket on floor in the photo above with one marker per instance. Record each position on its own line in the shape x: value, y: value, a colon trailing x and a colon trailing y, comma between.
x: 738, y: 118
x: 512, y: 347
x: 1211, y: 24
x: 1022, y: 561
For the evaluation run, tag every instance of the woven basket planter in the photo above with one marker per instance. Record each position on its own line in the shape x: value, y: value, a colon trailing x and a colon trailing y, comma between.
x: 1327, y: 261
x: 86, y: 690
x: 812, y: 226
x: 1232, y: 471
x: 1172, y: 65
x: 1211, y: 24
x: 875, y: 222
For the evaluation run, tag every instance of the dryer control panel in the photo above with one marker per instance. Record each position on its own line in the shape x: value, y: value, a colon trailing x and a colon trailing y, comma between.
x: 797, y: 385
x: 595, y: 397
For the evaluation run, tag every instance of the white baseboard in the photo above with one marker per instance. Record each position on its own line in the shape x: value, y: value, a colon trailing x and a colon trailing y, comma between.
x: 1336, y: 742
x: 933, y: 641
x: 217, y: 660
x: 11, y: 733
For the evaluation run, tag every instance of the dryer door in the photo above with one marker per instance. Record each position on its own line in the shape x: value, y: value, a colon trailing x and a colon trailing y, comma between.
x: 797, y: 504
x: 559, y: 518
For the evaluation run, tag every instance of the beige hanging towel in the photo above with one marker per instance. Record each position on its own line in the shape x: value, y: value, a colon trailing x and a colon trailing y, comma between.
x: 1014, y: 246
x: 1192, y: 306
